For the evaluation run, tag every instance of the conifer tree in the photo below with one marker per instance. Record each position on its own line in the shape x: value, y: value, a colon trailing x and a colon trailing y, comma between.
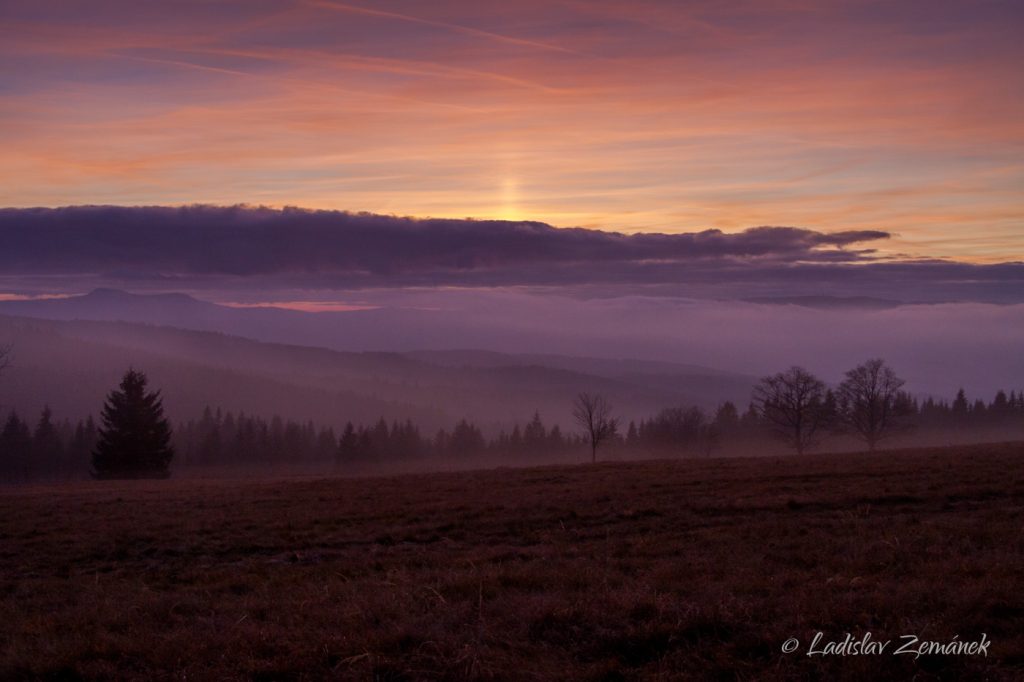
x: 80, y: 448
x: 535, y: 436
x: 15, y: 448
x: 47, y: 448
x: 348, y: 446
x: 134, y: 441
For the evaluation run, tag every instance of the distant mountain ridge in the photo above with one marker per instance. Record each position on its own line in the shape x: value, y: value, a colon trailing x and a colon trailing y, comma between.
x: 70, y: 364
x: 829, y: 302
x: 390, y: 329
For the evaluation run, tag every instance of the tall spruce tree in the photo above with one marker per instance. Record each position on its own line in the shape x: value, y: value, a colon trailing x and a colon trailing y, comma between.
x: 81, y: 446
x: 15, y: 449
x: 134, y: 441
x: 47, y: 447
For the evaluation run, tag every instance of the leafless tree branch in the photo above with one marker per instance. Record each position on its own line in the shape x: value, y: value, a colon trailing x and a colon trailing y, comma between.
x: 594, y: 415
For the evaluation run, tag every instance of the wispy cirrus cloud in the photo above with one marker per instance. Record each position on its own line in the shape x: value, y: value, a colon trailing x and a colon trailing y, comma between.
x: 649, y: 116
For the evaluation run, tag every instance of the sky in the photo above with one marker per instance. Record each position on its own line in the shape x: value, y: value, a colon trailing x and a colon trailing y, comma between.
x: 897, y: 124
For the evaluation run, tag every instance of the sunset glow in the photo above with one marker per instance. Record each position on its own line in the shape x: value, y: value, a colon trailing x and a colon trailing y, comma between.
x: 638, y: 117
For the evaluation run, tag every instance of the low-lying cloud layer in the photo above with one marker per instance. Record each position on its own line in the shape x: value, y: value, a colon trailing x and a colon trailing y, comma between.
x: 206, y: 247
x: 261, y: 241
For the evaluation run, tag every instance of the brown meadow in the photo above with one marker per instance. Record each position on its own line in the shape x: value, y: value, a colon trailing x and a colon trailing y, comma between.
x: 684, y: 569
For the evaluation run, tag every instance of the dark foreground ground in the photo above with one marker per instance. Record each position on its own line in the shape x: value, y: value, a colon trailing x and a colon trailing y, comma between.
x: 670, y: 570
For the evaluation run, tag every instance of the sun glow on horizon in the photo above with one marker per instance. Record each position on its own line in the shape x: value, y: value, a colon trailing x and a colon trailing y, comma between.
x: 644, y: 117
x: 510, y: 199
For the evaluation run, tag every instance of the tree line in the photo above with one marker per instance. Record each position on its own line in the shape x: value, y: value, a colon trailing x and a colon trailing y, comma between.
x: 222, y: 438
x: 871, y: 405
x: 133, y: 439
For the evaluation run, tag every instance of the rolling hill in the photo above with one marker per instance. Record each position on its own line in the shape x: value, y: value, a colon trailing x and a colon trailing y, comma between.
x: 71, y: 364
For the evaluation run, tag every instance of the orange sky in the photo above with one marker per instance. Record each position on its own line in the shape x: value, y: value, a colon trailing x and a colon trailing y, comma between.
x: 633, y: 116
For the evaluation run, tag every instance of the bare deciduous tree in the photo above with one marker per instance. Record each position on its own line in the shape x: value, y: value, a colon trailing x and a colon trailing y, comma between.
x: 871, y: 402
x: 594, y: 415
x: 795, y: 405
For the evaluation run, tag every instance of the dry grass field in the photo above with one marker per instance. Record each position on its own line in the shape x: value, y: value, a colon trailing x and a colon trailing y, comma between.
x: 693, y: 569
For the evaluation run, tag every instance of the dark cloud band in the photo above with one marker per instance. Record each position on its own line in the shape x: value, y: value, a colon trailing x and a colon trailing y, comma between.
x: 256, y: 241
x: 205, y: 247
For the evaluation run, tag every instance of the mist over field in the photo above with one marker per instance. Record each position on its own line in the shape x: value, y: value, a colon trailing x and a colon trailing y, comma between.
x: 364, y: 320
x: 937, y: 347
x: 680, y: 374
x: 733, y: 306
x: 295, y: 340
